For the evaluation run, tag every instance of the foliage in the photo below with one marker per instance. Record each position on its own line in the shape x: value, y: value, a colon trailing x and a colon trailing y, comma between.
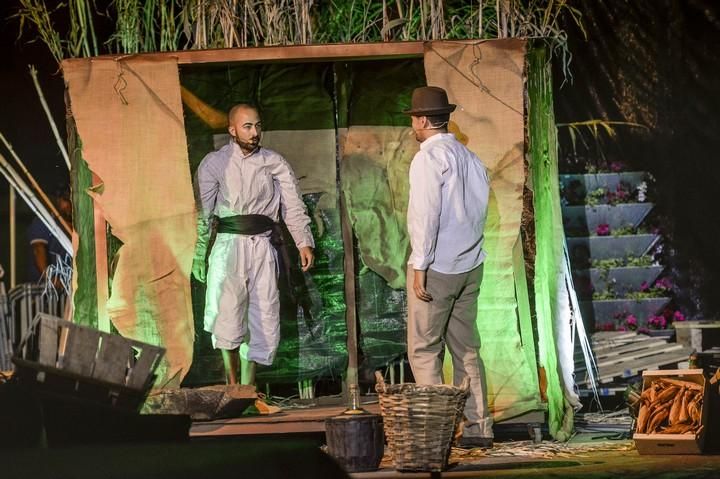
x: 629, y: 261
x: 590, y: 132
x: 624, y: 321
x: 167, y: 25
x: 574, y: 193
x: 36, y: 13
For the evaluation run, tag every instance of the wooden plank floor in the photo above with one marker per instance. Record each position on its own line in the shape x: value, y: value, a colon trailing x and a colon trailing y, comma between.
x: 311, y: 419
x: 305, y: 420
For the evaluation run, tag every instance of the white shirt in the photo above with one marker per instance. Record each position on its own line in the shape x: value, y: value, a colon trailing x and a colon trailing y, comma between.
x: 449, y: 191
x: 229, y: 183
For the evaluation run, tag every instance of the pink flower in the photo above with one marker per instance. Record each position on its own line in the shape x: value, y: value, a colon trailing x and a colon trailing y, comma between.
x: 631, y: 320
x: 616, y: 166
x: 657, y: 322
x: 678, y: 316
x: 644, y: 286
x: 603, y: 229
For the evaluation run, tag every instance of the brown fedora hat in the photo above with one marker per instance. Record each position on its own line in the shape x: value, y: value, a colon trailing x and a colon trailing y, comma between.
x: 428, y: 101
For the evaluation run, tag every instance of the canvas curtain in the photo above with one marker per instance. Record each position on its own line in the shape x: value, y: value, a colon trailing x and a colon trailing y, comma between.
x: 129, y: 117
x: 487, y: 82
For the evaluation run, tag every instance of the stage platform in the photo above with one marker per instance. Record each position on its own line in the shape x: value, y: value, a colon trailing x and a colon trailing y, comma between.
x: 311, y: 419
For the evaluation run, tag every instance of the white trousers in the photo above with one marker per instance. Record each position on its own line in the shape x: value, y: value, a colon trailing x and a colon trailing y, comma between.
x: 242, y: 303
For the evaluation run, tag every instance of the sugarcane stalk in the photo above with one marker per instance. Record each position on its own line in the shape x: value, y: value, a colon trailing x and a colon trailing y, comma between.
x: 33, y: 203
x: 34, y: 184
x: 53, y: 126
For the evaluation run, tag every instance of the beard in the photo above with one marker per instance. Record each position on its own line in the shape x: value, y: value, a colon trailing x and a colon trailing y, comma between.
x: 248, y: 146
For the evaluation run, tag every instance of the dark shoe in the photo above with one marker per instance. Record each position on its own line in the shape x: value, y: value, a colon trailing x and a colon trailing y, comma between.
x: 472, y: 442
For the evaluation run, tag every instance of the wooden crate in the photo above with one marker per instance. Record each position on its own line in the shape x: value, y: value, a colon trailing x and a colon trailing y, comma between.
x: 699, y: 335
x: 76, y: 362
x: 662, y: 444
x: 622, y: 355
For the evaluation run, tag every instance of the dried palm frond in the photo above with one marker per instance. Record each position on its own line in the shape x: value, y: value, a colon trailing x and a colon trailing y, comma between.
x: 36, y: 13
x: 211, y: 23
x: 579, y: 130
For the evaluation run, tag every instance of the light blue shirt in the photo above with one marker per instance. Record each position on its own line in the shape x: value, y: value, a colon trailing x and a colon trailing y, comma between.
x: 449, y: 192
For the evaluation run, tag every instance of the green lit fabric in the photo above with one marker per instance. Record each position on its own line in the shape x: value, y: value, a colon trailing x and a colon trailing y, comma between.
x: 548, y: 231
x: 374, y: 166
x: 85, y: 291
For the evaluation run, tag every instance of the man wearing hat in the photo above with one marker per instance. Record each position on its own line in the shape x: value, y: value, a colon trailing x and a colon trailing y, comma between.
x: 449, y: 191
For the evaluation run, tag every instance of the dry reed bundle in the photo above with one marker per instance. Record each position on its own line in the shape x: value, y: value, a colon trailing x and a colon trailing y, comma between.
x: 152, y: 25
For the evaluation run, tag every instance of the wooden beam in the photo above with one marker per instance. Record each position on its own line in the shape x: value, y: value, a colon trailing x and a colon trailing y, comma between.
x: 295, y: 53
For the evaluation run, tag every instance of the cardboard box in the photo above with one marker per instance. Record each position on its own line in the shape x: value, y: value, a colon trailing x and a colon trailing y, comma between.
x: 675, y: 443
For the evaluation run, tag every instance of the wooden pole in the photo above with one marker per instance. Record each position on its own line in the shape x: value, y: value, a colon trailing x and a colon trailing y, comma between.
x: 341, y: 101
x: 350, y: 311
x: 53, y: 127
x: 27, y: 194
x: 13, y: 236
x: 49, y: 204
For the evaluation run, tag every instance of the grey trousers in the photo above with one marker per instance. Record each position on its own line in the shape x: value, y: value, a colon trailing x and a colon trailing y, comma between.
x: 449, y: 319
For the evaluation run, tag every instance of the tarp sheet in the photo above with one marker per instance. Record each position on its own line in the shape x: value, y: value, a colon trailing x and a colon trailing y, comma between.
x: 297, y: 109
x: 377, y: 146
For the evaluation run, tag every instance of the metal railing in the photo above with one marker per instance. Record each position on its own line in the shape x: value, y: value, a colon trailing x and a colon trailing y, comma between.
x: 18, y: 308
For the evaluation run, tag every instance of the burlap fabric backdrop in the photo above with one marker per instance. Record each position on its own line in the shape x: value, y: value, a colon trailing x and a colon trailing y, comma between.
x: 129, y: 119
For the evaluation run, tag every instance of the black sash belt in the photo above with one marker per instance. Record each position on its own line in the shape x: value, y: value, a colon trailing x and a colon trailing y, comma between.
x: 255, y: 225
x: 246, y: 224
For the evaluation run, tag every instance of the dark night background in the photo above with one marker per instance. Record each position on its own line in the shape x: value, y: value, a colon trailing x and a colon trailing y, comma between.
x: 657, y: 63
x: 24, y: 124
x: 652, y: 62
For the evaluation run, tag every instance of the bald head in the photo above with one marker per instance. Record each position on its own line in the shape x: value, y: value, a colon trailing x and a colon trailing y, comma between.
x: 238, y: 108
x: 244, y: 126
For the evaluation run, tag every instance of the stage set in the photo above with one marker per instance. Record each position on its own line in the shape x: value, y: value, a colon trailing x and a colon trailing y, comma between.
x: 144, y: 122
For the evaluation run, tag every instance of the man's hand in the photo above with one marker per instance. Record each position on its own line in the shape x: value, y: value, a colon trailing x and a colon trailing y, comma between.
x: 419, y: 286
x: 306, y: 258
x: 199, y: 270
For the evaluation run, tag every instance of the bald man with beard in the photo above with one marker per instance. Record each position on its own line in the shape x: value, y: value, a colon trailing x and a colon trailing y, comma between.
x: 244, y: 189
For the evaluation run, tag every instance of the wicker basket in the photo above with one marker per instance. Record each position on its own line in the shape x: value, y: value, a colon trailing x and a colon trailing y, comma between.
x: 420, y: 422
